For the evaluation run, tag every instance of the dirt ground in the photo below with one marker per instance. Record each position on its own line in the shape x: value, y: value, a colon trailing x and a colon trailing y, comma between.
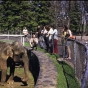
x: 19, y: 73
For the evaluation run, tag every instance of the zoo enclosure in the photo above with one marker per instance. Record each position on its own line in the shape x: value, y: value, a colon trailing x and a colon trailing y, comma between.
x: 79, y: 56
x: 79, y: 60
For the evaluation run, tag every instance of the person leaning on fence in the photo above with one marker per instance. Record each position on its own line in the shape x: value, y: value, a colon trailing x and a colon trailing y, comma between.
x: 25, y: 32
x: 68, y: 35
x: 34, y: 42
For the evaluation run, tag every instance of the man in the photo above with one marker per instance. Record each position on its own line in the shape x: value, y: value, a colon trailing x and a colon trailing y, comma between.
x: 39, y: 31
x: 39, y: 35
x: 34, y: 42
x: 25, y: 32
x: 50, y: 33
x: 55, y: 41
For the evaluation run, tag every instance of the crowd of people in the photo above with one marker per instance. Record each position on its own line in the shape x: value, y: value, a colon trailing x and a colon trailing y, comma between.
x: 47, y: 38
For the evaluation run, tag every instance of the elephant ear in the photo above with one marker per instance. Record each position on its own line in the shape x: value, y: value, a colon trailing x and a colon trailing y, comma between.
x: 9, y: 51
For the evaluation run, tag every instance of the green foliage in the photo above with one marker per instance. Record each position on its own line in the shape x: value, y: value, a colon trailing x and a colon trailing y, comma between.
x: 24, y: 13
x: 75, y: 17
x: 66, y: 77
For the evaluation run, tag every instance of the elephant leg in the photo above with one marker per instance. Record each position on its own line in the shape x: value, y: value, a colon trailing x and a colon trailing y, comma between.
x: 12, y: 69
x: 26, y: 69
x: 3, y: 73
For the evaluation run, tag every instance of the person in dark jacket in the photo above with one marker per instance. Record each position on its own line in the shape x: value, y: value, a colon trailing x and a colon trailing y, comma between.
x: 38, y: 31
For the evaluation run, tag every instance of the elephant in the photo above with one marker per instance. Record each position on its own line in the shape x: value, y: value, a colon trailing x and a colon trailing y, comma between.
x: 12, y: 53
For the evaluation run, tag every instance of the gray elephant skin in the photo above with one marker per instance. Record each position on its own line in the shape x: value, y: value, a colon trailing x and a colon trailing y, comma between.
x: 12, y: 53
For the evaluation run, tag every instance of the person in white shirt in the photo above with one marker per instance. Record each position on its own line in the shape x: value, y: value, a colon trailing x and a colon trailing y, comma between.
x: 50, y: 33
x: 25, y: 32
x: 55, y: 37
x: 34, y: 41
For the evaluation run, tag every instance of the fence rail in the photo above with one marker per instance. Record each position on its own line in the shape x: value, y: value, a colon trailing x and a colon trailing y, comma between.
x: 12, y: 37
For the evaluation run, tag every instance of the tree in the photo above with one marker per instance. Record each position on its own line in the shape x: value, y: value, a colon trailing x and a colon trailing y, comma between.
x: 75, y: 17
x: 42, y: 9
x: 25, y: 13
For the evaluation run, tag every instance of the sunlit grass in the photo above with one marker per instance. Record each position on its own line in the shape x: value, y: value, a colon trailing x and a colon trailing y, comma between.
x: 6, y: 40
x: 19, y: 72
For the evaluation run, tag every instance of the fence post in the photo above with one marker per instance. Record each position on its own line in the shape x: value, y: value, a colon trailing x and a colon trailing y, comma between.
x: 53, y: 42
x: 8, y: 34
x: 31, y: 34
x: 85, y: 77
x: 75, y: 52
x: 23, y: 40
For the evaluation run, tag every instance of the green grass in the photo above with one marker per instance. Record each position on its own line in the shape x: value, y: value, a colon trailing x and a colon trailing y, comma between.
x: 26, y: 44
x: 19, y: 73
x: 70, y: 76
x: 65, y: 77
x: 61, y: 81
x: 5, y: 40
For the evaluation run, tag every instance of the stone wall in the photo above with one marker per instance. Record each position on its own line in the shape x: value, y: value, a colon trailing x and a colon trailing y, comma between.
x: 43, y: 70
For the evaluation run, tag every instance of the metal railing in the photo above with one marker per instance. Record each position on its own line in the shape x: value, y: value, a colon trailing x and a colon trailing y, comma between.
x: 79, y: 60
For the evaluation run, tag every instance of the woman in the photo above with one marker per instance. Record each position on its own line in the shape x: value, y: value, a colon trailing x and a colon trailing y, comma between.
x: 68, y: 35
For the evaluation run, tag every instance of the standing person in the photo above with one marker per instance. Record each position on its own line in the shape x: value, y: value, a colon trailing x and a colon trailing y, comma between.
x: 25, y: 32
x: 39, y: 34
x: 46, y: 37
x: 41, y: 39
x: 50, y: 33
x: 38, y: 31
x: 68, y: 35
x: 55, y: 37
